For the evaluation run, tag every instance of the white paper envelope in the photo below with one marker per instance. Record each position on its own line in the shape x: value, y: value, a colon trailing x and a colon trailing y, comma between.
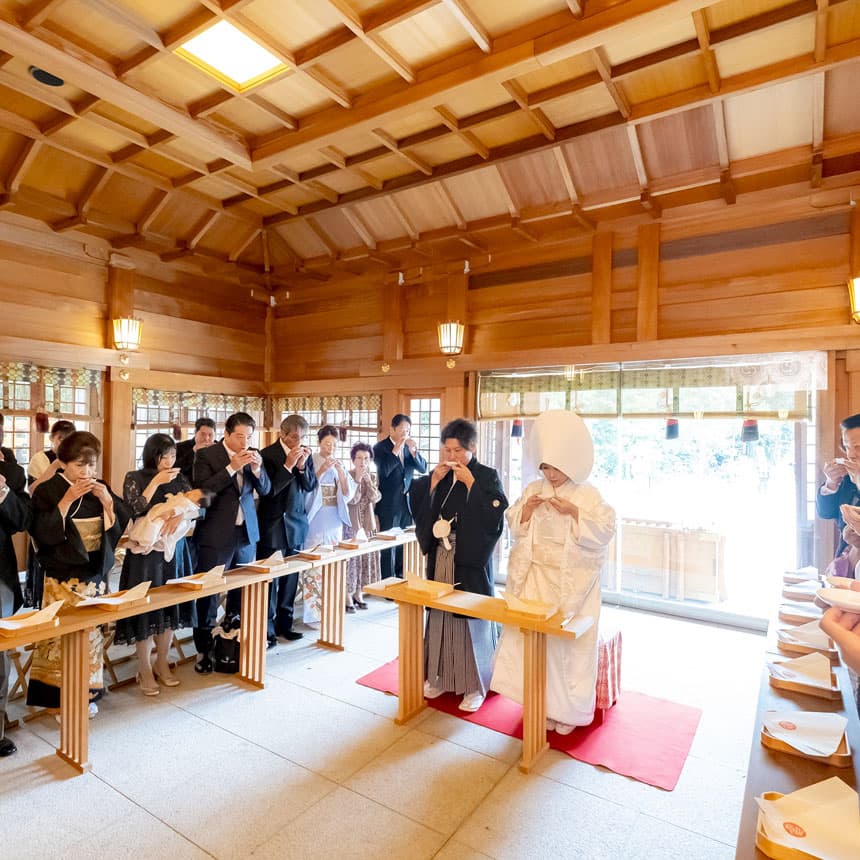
x: 808, y: 731
x: 806, y: 634
x: 813, y: 669
x: 822, y: 819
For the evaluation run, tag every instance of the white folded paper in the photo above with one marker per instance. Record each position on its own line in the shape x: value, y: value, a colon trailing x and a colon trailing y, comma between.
x: 809, y: 634
x: 360, y: 536
x: 804, y: 572
x: 822, y: 819
x: 808, y: 586
x: 136, y: 593
x: 811, y: 669
x: 31, y: 619
x: 579, y: 624
x: 808, y: 731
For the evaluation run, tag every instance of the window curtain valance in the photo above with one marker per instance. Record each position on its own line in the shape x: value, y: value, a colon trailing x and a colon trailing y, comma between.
x: 196, y: 400
x: 16, y: 371
x: 331, y: 402
x: 776, y: 382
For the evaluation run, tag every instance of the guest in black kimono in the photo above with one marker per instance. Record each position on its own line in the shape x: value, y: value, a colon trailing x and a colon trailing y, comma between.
x: 77, y: 523
x: 141, y: 490
x: 14, y: 517
x: 458, y: 512
x: 42, y: 468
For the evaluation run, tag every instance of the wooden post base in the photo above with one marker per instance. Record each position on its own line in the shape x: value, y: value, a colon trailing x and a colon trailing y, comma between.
x: 410, y: 665
x: 74, y: 700
x: 252, y: 633
x: 333, y: 608
x: 534, y: 699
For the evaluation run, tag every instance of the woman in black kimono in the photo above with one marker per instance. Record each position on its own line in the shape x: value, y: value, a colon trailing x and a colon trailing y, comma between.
x: 77, y: 523
x: 141, y: 490
x: 458, y: 511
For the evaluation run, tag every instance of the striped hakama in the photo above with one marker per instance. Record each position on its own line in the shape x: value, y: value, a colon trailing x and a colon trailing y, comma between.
x: 458, y: 651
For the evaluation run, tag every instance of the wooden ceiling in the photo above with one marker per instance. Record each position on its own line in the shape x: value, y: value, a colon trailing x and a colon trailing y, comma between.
x: 411, y: 131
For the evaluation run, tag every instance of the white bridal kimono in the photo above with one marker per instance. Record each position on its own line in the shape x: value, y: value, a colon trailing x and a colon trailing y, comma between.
x: 557, y: 560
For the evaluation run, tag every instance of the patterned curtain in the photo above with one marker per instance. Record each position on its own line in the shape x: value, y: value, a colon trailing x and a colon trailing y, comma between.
x: 15, y: 371
x: 762, y: 379
x: 196, y: 400
x: 298, y: 405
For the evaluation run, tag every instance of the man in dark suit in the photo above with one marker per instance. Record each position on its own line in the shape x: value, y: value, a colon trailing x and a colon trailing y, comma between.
x: 283, y: 518
x: 228, y: 535
x: 397, y: 459
x: 204, y: 436
x: 14, y: 517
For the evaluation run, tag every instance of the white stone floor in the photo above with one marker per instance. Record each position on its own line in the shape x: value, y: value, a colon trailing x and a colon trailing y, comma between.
x: 314, y: 766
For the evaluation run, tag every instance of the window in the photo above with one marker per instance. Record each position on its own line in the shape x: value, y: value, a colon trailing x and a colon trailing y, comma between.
x: 26, y: 390
x: 425, y: 413
x: 169, y: 411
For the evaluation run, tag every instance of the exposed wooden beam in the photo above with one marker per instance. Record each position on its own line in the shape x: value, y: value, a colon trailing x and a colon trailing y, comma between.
x: 202, y: 229
x: 450, y: 204
x: 601, y: 288
x: 508, y: 193
x: 402, y: 218
x: 708, y: 57
x: 155, y: 207
x: 468, y: 137
x: 577, y: 7
x: 334, y: 156
x: 536, y: 115
x: 95, y: 186
x: 570, y: 187
x: 471, y: 23
x: 316, y: 187
x: 601, y: 63
x: 324, y: 237
x: 100, y: 83
x: 638, y: 160
x: 817, y: 166
x: 390, y: 143
x: 22, y: 163
x: 821, y: 30
x: 329, y: 86
x: 648, y: 282
x: 351, y: 19
x: 37, y: 12
x: 246, y: 243
x: 129, y: 21
x: 357, y: 223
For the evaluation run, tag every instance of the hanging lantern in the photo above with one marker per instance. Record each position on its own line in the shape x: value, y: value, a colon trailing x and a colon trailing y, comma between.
x: 517, y: 428
x: 126, y: 334
x: 749, y: 430
x: 451, y: 337
x: 672, y: 428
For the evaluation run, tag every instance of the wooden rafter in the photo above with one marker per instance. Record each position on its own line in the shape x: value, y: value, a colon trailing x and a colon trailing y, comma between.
x: 333, y: 250
x: 648, y: 201
x: 450, y: 204
x: 309, y: 185
x: 390, y: 143
x: 536, y: 115
x: 202, y: 228
x: 817, y: 166
x: 352, y: 20
x: 604, y: 69
x: 404, y: 220
x: 357, y: 223
x: 94, y: 79
x: 461, y: 10
x: 95, y: 186
x: 22, y: 163
x: 821, y: 29
x: 510, y: 199
x: 452, y: 124
x: 708, y: 57
x: 570, y: 187
x: 727, y: 186
x: 246, y: 243
x: 577, y: 7
x: 338, y: 159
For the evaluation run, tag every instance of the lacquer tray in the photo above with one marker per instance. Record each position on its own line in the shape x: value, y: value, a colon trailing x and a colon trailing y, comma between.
x: 833, y: 693
x: 772, y: 849
x: 841, y: 758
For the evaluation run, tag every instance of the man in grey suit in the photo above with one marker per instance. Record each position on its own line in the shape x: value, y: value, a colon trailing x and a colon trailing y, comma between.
x: 283, y: 518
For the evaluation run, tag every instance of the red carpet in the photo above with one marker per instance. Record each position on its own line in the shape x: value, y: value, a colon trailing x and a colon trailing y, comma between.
x: 642, y: 737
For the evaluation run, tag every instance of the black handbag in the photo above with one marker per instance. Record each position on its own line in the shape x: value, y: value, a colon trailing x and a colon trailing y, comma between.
x: 225, y: 651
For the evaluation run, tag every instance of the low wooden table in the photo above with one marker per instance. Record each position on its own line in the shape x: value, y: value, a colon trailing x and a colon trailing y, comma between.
x: 75, y: 624
x: 770, y: 770
x: 411, y: 605
x: 333, y: 569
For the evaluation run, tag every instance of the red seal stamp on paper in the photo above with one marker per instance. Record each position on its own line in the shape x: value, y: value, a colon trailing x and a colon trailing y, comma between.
x: 785, y: 724
x: 793, y: 829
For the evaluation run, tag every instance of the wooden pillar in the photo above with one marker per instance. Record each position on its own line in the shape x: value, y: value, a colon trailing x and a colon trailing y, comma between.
x: 648, y: 282
x: 601, y: 288
x: 118, y: 452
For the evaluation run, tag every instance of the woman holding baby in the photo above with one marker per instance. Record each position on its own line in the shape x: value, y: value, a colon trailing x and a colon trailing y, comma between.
x: 143, y: 489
